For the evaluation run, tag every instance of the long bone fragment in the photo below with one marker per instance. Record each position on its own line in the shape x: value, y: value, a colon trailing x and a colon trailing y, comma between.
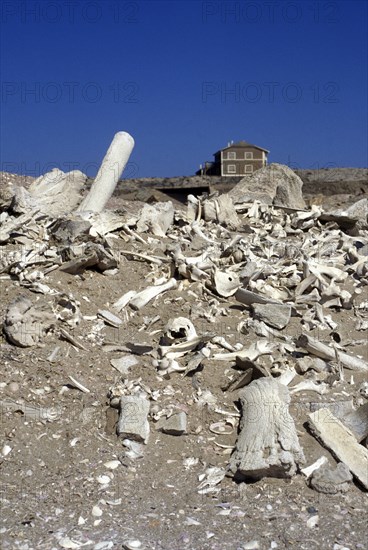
x: 124, y: 300
x: 323, y: 351
x: 142, y: 298
x: 153, y: 259
x: 262, y: 347
x: 333, y: 272
x: 178, y: 350
x: 198, y: 231
x: 109, y: 173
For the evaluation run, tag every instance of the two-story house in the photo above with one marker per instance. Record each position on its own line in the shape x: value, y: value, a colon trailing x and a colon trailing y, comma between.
x: 237, y: 159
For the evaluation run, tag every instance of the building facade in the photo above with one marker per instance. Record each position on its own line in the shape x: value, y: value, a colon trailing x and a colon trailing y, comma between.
x: 237, y: 159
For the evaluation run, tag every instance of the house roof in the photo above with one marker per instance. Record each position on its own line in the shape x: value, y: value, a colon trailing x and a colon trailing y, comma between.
x: 241, y: 144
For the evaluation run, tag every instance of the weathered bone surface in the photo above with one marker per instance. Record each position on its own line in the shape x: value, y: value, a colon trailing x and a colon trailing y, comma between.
x: 274, y: 315
x: 226, y: 213
x: 221, y: 210
x: 357, y: 422
x: 174, y: 425
x: 56, y: 192
x: 268, y: 443
x: 178, y: 330
x: 92, y: 254
x: 156, y: 218
x: 102, y: 222
x: 330, y: 354
x: 178, y: 350
x: 109, y: 173
x: 331, y: 481
x: 273, y: 184
x: 342, y: 442
x: 255, y: 350
x: 226, y: 284
x: 25, y: 323
x: 247, y: 297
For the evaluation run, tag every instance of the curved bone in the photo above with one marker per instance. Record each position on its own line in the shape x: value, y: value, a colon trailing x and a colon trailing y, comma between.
x: 178, y: 350
x: 226, y: 284
x: 142, y: 298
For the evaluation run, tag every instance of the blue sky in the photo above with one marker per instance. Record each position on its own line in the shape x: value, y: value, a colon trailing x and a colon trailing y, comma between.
x: 183, y: 78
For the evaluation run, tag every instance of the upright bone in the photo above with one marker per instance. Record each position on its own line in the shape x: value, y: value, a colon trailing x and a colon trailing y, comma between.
x: 268, y: 443
x: 109, y: 173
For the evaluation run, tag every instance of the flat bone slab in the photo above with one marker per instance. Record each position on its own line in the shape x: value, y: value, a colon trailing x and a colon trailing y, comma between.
x: 274, y: 315
x: 342, y: 442
x: 133, y: 423
x: 357, y: 422
x: 268, y: 443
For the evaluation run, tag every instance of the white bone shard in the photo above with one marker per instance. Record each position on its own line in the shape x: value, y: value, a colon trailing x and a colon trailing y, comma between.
x: 308, y: 471
x: 142, y: 298
x: 124, y: 300
x: 226, y: 284
x: 310, y: 385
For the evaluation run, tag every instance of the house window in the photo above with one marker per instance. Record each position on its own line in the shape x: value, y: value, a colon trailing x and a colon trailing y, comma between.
x: 231, y: 155
x: 248, y: 168
x: 248, y: 156
x: 231, y: 169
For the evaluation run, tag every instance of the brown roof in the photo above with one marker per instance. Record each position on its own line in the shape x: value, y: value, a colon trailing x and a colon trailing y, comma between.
x: 242, y: 144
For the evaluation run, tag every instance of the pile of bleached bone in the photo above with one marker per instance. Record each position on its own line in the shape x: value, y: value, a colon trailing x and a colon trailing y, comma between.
x: 263, y: 251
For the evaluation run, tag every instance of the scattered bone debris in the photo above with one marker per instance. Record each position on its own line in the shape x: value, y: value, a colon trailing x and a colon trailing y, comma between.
x: 260, y: 290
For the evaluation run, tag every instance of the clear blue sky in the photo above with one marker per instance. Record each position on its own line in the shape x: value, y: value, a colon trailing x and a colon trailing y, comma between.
x: 184, y: 78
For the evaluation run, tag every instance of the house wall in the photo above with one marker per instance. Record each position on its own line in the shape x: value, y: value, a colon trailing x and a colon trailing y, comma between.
x: 241, y: 161
x: 232, y: 161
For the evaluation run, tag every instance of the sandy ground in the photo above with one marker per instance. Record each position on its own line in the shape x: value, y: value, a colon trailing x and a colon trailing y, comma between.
x: 50, y: 493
